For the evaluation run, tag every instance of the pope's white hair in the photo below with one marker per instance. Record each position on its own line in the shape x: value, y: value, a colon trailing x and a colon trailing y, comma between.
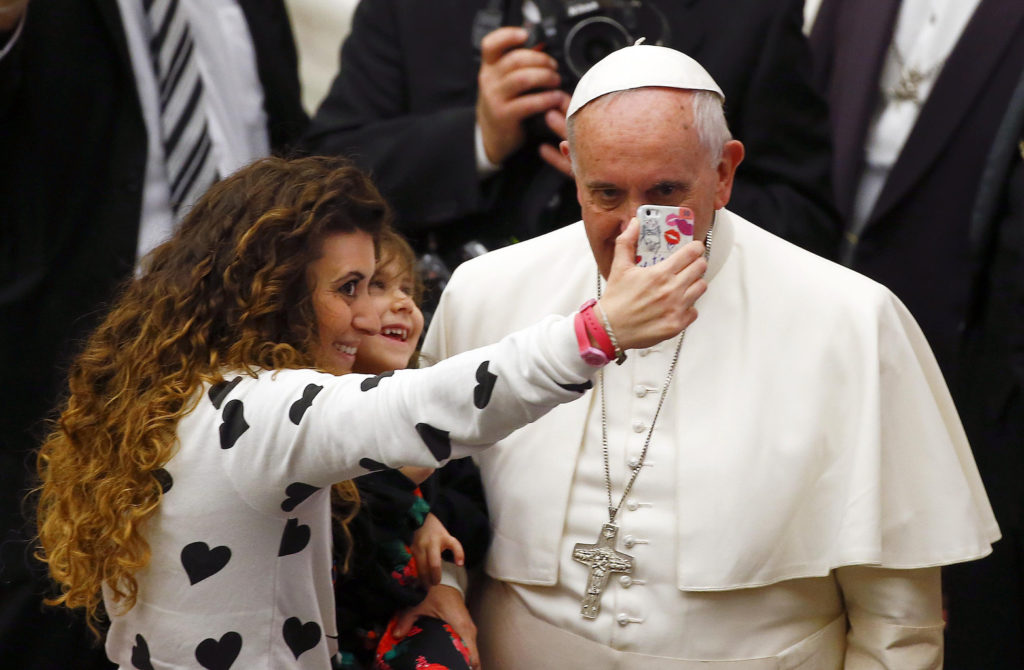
x: 708, y: 118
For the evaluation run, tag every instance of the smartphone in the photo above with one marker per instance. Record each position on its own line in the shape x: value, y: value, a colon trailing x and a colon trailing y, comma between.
x: 662, y: 229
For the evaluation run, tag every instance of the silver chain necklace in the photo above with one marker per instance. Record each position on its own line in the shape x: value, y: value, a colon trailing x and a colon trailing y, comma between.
x: 911, y: 78
x: 601, y: 557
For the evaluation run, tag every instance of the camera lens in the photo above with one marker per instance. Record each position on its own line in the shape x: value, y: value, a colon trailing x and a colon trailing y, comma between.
x: 591, y: 40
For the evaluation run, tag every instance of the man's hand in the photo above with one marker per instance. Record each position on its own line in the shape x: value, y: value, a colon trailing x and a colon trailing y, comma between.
x: 11, y: 12
x: 648, y: 305
x: 506, y: 75
x: 555, y: 118
x: 428, y: 543
x: 445, y: 603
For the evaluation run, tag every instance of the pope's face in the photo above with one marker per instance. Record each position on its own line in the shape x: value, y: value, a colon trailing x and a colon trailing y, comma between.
x: 642, y: 148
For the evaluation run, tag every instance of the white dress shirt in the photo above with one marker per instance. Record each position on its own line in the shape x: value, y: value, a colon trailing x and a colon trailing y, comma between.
x: 925, y: 34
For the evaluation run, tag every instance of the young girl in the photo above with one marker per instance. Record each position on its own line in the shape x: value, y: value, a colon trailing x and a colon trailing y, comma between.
x: 398, y: 540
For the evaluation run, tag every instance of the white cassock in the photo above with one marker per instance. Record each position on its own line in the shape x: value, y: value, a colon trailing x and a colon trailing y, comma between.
x: 807, y: 431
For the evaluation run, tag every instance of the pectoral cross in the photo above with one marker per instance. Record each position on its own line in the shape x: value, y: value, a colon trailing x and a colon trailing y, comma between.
x: 603, y: 560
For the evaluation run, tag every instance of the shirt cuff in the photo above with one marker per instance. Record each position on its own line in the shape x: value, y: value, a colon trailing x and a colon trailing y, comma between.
x: 484, y: 167
x: 454, y: 576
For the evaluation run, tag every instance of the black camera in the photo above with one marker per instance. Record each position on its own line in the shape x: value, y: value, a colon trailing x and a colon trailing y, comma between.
x: 579, y: 33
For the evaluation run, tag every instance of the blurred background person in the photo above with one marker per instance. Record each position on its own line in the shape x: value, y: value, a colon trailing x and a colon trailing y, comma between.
x: 917, y: 91
x: 459, y: 123
x: 986, y: 597
x: 114, y: 116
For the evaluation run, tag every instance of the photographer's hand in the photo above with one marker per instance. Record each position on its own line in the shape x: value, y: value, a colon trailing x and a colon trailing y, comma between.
x: 514, y: 83
x: 555, y: 118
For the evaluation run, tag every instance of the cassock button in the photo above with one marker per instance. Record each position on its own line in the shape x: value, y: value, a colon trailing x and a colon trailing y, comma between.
x: 640, y: 390
x: 626, y: 581
x: 632, y: 504
x: 623, y: 619
x: 629, y: 541
x: 639, y: 426
x: 644, y: 352
x: 633, y: 463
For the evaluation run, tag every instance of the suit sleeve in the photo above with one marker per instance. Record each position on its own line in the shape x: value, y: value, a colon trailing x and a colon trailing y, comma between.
x: 784, y: 183
x: 421, y: 155
x: 895, y: 618
x: 277, y: 64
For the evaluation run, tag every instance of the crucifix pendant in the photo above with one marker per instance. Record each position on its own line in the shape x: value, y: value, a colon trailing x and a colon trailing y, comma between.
x: 603, y: 560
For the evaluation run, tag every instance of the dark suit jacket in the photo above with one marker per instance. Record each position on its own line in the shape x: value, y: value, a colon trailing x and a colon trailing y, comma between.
x: 403, y: 103
x: 986, y: 608
x: 915, y: 241
x: 72, y: 161
x: 990, y: 386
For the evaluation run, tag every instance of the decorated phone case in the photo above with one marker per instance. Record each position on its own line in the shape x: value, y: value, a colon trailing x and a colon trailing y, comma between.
x: 662, y: 229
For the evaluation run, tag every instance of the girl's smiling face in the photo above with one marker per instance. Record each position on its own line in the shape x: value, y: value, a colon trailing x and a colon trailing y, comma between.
x: 401, y: 322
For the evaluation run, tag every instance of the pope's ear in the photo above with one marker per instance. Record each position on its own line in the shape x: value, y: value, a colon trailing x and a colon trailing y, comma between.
x: 563, y: 146
x: 732, y: 156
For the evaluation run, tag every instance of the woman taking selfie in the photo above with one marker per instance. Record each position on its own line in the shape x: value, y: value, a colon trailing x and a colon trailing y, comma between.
x: 185, y: 487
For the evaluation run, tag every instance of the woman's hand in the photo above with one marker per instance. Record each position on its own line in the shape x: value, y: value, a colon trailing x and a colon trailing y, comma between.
x: 648, y: 305
x: 428, y: 543
x: 444, y: 603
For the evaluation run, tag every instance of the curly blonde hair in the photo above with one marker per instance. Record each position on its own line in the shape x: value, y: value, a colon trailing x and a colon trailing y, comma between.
x: 229, y: 291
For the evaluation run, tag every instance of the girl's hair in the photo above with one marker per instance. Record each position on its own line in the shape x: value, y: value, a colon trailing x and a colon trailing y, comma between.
x: 395, y: 249
x: 229, y: 291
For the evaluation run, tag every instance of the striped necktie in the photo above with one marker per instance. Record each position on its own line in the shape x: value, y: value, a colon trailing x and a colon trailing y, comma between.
x: 188, y: 152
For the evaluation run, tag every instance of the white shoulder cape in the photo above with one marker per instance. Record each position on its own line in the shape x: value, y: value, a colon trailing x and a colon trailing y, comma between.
x: 818, y: 429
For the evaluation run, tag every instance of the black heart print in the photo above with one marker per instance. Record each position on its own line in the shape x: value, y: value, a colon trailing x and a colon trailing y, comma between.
x: 372, y: 465
x: 234, y: 424
x: 201, y: 562
x: 436, y: 440
x: 294, y: 539
x: 220, y: 391
x: 579, y: 388
x: 219, y: 654
x: 297, y: 492
x: 301, y: 637
x: 164, y: 479
x: 371, y: 382
x: 485, y: 385
x: 140, y: 654
x: 300, y: 406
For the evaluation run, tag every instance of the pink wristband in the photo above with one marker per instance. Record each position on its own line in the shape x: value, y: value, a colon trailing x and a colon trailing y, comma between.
x: 590, y: 354
x: 596, y: 330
